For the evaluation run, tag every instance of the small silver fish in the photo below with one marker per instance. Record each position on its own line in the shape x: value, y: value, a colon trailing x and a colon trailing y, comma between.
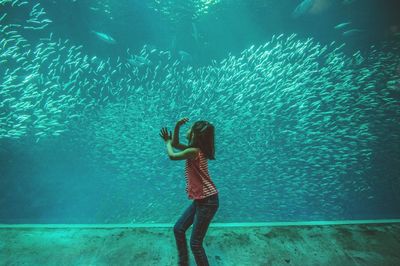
x: 352, y: 32
x: 105, y: 37
x: 342, y: 25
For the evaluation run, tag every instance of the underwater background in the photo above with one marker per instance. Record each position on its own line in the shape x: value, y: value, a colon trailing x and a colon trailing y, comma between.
x: 304, y: 97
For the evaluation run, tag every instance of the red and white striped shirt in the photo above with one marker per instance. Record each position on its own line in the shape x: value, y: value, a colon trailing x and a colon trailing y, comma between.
x: 198, y: 181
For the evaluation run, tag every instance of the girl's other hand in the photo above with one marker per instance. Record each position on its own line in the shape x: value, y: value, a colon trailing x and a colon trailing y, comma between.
x: 182, y: 121
x: 164, y: 134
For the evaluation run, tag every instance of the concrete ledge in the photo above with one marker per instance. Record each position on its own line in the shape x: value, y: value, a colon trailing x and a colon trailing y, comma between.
x: 165, y: 225
x: 373, y: 243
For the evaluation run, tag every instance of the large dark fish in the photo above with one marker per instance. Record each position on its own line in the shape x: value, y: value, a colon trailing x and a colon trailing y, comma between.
x: 303, y: 8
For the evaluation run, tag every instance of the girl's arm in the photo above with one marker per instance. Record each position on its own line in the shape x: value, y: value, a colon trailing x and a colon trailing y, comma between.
x: 175, y: 139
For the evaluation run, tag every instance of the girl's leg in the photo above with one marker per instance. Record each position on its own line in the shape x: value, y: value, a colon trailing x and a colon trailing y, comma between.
x: 184, y: 222
x: 205, y: 211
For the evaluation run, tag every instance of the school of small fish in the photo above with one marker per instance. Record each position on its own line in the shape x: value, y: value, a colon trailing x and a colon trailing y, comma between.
x: 297, y: 123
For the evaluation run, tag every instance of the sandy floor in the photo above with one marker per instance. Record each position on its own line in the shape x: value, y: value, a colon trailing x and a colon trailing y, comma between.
x: 357, y: 244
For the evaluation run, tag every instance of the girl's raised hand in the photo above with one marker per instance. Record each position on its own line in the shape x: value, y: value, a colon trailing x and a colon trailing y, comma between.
x: 182, y: 121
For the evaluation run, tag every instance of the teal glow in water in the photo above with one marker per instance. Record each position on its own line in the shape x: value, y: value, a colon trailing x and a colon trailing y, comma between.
x: 306, y: 128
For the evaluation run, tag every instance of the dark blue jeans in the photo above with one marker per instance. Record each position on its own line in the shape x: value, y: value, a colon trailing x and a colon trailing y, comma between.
x: 200, y: 214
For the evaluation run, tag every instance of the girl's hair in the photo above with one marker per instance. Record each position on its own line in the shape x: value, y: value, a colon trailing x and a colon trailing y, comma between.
x: 203, y: 138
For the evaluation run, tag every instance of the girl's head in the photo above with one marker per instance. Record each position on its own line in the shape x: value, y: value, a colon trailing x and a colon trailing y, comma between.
x: 201, y: 135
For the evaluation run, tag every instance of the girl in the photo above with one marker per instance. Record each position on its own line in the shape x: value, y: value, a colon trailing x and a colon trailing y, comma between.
x: 199, y: 187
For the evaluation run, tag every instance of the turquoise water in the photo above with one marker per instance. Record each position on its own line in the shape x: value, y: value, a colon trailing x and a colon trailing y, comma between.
x: 304, y: 97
